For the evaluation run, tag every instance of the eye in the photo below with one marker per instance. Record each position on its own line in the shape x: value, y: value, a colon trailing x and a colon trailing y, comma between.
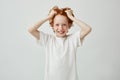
x: 64, y: 25
x: 57, y: 24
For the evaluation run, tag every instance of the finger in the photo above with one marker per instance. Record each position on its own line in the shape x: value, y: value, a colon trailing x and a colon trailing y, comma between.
x: 67, y: 8
x: 69, y: 11
x: 55, y: 7
x: 55, y: 12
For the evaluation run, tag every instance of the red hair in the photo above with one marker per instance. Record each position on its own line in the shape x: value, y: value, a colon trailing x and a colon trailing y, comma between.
x: 60, y: 12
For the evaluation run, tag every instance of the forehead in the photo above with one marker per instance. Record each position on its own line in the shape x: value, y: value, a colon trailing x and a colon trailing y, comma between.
x: 60, y: 19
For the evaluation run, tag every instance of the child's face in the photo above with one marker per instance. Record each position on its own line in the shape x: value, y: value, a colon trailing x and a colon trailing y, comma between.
x: 61, y: 25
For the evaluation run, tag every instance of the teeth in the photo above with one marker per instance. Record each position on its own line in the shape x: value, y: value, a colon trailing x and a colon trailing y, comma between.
x: 61, y: 32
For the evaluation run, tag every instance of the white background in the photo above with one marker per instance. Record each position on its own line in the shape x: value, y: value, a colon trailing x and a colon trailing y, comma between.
x: 22, y: 59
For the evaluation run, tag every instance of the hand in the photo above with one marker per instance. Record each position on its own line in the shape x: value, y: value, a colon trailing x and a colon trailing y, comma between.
x: 69, y: 13
x: 52, y: 12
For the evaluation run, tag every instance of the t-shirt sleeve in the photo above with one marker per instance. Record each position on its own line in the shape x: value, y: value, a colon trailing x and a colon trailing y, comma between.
x: 76, y: 38
x: 44, y: 37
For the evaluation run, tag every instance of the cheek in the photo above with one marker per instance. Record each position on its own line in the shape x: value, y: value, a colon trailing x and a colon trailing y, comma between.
x: 66, y: 28
x: 54, y: 28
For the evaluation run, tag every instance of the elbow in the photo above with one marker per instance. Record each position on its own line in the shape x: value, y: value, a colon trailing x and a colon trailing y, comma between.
x: 87, y: 29
x: 31, y: 30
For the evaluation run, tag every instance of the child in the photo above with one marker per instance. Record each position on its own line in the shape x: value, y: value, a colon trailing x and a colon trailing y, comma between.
x: 60, y: 48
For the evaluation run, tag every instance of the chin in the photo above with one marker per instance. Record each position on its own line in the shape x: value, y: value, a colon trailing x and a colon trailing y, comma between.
x: 61, y: 35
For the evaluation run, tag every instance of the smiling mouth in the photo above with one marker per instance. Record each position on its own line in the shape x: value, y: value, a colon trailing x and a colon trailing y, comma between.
x: 61, y: 32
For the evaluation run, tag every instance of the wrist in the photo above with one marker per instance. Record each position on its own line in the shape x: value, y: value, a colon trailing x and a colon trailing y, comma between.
x: 49, y: 17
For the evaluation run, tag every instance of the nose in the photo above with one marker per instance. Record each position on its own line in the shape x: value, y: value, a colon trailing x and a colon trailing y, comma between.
x: 61, y: 27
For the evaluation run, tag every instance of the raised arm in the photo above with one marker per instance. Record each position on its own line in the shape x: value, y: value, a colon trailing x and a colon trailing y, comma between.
x: 33, y: 30
x: 85, y: 28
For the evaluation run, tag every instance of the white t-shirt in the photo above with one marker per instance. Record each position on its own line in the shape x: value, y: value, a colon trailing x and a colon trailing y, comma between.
x: 60, y: 56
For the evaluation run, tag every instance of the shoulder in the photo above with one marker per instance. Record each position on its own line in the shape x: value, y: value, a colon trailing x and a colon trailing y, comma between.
x: 75, y: 38
x: 74, y: 34
x: 44, y: 37
x: 44, y: 34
